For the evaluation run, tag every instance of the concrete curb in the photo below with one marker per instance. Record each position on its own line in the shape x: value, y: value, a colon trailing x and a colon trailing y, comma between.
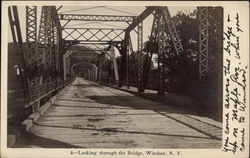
x: 27, y: 123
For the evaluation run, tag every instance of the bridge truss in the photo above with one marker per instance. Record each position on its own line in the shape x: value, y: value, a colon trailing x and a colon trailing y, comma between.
x: 49, y: 41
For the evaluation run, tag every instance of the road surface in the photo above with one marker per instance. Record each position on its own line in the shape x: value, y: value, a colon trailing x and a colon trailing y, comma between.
x: 89, y: 115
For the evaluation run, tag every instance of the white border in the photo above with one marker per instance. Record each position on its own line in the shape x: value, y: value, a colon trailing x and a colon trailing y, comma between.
x: 242, y: 7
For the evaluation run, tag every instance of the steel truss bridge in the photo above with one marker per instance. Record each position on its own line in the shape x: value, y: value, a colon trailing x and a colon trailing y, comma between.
x: 46, y: 62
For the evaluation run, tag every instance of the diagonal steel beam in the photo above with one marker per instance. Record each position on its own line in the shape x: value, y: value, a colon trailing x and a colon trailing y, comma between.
x: 172, y: 30
x: 59, y: 8
x: 140, y: 18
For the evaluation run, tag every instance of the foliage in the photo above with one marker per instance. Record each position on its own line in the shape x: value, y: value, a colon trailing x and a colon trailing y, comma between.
x: 183, y: 69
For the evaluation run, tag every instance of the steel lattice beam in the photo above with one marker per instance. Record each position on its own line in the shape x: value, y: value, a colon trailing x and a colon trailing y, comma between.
x: 154, y: 29
x: 53, y: 55
x: 163, y: 32
x: 31, y: 40
x: 153, y: 45
x: 31, y: 24
x: 42, y: 40
x: 42, y: 52
x: 203, y: 41
x: 140, y: 18
x: 91, y: 47
x: 161, y: 55
x: 58, y: 42
x: 48, y: 50
x: 93, y: 34
x: 172, y: 30
x: 139, y: 56
x: 80, y: 17
x: 55, y: 44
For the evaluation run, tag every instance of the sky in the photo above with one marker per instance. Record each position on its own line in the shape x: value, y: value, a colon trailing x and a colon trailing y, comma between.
x: 103, y: 10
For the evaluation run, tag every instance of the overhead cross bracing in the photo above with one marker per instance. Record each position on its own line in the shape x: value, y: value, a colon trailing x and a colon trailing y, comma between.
x: 93, y: 34
x: 77, y: 17
x: 71, y: 34
x: 91, y: 46
x: 112, y: 34
x: 47, y: 46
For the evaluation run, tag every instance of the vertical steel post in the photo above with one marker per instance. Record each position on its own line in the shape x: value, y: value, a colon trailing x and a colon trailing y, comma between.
x: 123, y: 52
x: 99, y: 68
x: 48, y: 41
x: 42, y: 51
x: 112, y: 54
x: 133, y: 60
x: 17, y: 40
x: 203, y: 41
x: 140, y: 56
x: 89, y: 75
x: 59, y: 45
x: 152, y: 41
x: 31, y: 40
x: 161, y: 56
x: 65, y: 58
x: 128, y: 45
x: 54, y: 43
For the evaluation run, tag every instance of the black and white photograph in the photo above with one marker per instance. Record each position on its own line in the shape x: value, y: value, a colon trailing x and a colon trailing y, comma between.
x: 103, y: 76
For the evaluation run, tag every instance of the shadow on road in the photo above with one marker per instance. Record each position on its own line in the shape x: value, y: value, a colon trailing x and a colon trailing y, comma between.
x: 139, y: 104
x: 30, y: 139
x: 116, y: 130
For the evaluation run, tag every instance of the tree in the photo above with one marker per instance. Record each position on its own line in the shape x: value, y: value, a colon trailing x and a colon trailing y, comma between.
x: 183, y: 68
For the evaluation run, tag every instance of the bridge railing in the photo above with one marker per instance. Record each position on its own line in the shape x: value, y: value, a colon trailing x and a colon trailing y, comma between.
x: 27, y: 97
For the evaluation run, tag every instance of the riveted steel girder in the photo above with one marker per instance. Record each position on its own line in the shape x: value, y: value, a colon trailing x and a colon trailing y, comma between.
x: 81, y: 17
x: 203, y: 41
x: 31, y: 40
x: 103, y: 47
x: 17, y: 40
x: 172, y: 30
x: 93, y: 34
x: 140, y: 56
x: 161, y: 55
x: 140, y: 18
x: 153, y: 44
x: 48, y: 48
